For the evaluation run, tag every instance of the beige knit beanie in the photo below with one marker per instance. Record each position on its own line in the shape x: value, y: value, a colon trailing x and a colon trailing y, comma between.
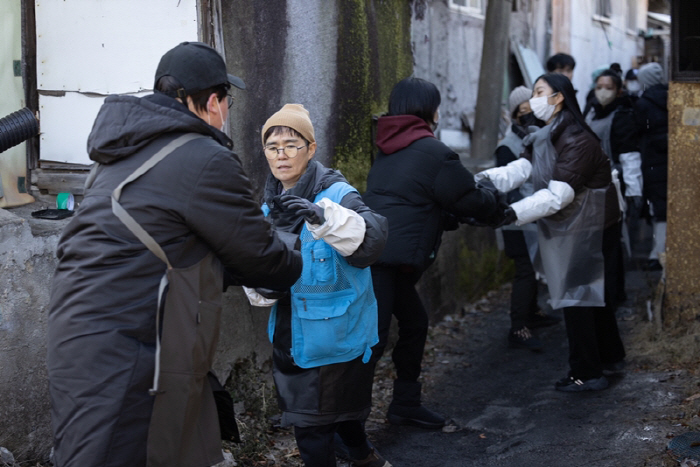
x: 294, y: 116
x: 517, y: 97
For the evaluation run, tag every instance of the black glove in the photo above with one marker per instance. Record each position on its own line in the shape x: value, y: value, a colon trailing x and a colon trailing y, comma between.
x: 507, y: 217
x: 313, y: 213
x: 271, y: 294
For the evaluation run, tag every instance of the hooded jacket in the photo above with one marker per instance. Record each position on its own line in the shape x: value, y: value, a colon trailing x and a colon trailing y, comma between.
x: 651, y: 117
x: 102, y: 310
x: 420, y: 186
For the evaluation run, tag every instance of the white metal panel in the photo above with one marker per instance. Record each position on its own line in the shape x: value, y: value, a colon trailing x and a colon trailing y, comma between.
x: 108, y: 47
x: 66, y: 122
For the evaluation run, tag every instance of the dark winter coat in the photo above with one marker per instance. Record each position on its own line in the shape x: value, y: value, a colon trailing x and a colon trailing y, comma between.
x: 623, y: 134
x: 102, y: 312
x: 328, y: 393
x: 581, y: 162
x: 651, y: 116
x: 421, y: 187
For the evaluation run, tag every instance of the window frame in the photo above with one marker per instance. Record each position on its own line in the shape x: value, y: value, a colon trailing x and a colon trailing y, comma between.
x: 479, y: 12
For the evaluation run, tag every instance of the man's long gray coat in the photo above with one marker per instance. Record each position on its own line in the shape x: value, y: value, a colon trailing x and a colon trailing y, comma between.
x: 101, y: 337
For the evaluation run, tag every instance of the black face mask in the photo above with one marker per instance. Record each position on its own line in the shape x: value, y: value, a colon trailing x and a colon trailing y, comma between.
x: 529, y: 120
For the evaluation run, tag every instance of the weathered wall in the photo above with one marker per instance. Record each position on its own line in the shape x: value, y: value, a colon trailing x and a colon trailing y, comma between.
x: 26, y: 265
x: 447, y: 49
x: 682, y: 242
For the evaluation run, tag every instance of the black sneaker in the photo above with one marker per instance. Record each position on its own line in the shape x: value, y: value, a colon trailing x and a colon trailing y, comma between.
x: 523, y: 339
x: 540, y: 319
x: 373, y: 460
x: 571, y: 384
x: 414, y: 415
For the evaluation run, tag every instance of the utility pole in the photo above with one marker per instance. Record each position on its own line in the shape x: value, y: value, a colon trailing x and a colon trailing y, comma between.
x: 494, y: 57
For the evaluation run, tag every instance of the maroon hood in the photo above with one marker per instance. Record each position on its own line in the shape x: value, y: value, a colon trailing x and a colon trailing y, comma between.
x: 399, y: 131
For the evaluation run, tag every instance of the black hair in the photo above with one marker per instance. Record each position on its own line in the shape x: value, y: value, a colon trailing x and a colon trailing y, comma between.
x: 630, y: 74
x: 414, y: 96
x: 560, y: 61
x: 616, y: 68
x: 169, y: 85
x: 617, y: 81
x: 561, y: 84
x: 279, y: 129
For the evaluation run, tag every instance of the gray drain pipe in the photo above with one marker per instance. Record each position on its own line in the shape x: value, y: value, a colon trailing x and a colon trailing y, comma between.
x: 17, y: 127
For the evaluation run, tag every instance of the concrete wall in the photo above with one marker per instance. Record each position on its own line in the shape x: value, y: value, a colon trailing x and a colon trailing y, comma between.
x: 26, y: 266
x: 595, y: 43
x: 447, y: 47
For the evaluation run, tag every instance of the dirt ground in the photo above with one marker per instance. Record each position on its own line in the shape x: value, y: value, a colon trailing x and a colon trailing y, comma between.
x: 502, y: 405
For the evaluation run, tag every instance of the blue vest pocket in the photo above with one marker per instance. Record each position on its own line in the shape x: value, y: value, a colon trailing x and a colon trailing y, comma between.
x: 323, y: 325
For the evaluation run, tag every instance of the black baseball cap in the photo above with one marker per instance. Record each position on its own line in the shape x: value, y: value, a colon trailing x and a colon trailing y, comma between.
x: 196, y: 66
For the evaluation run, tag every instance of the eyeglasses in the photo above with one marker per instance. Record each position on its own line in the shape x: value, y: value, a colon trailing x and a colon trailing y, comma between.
x: 230, y: 99
x: 290, y: 151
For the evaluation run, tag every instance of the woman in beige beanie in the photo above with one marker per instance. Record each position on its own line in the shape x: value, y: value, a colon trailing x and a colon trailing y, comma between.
x: 323, y: 328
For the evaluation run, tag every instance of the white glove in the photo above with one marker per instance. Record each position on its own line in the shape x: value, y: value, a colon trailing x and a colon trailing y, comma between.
x: 544, y: 202
x: 344, y: 229
x: 632, y: 173
x: 509, y: 176
x: 256, y: 299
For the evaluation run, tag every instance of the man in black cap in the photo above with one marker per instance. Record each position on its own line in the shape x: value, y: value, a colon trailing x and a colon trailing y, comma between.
x: 136, y: 297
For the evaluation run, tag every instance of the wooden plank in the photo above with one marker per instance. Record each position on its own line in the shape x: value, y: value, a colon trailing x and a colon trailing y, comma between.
x: 54, y: 182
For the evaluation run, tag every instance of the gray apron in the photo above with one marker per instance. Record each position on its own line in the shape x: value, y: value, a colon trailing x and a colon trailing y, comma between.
x: 571, y: 240
x: 184, y: 428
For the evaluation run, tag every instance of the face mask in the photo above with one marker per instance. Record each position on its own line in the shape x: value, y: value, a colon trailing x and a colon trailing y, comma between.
x: 633, y: 86
x: 542, y: 108
x: 605, y: 96
x: 529, y: 120
x: 223, y: 124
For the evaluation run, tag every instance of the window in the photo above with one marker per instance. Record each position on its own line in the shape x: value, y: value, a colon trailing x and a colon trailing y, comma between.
x: 472, y: 7
x: 685, y: 42
x: 602, y: 8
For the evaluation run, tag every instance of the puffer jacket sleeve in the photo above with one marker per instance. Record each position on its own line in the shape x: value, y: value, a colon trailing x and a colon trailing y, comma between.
x: 456, y: 192
x: 579, y: 159
x: 221, y: 210
x: 623, y: 134
x: 376, y: 232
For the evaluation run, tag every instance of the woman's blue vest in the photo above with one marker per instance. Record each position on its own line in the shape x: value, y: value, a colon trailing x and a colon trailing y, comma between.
x: 334, y: 311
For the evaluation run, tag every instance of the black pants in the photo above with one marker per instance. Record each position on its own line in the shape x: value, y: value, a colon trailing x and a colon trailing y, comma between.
x: 523, y: 296
x: 395, y: 289
x: 594, y: 338
x: 316, y: 445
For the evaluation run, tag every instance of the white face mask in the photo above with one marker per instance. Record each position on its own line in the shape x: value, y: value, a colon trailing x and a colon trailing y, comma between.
x: 605, y: 96
x: 223, y: 124
x: 542, y: 108
x: 633, y: 86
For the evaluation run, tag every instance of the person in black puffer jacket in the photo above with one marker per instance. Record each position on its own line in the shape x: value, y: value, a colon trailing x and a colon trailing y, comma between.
x: 651, y: 116
x: 421, y: 187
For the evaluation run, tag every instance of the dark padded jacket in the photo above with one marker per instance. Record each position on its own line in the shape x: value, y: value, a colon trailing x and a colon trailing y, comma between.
x: 651, y: 116
x: 102, y: 310
x: 581, y: 162
x: 421, y: 187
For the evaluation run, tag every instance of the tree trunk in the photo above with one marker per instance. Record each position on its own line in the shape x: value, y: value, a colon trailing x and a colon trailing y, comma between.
x: 493, y: 67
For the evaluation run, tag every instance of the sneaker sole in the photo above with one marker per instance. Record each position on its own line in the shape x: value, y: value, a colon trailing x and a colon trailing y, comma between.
x: 398, y: 420
x: 582, y: 388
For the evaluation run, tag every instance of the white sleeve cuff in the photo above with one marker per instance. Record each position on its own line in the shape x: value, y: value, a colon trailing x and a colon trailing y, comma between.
x: 344, y: 229
x: 632, y: 173
x: 256, y: 299
x: 544, y: 202
x: 509, y: 176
